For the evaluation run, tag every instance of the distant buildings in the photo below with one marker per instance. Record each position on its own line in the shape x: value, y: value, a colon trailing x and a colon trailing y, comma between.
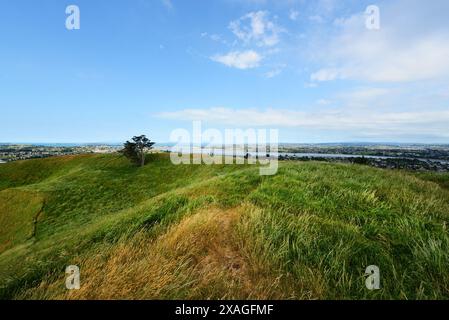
x: 10, y: 153
x: 383, y: 163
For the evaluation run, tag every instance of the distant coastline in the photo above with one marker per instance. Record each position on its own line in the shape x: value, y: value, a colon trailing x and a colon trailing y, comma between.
x: 392, y: 156
x: 285, y: 144
x: 60, y: 144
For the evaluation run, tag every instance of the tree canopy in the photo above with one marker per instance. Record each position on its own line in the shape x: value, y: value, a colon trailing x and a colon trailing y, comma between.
x: 135, y: 150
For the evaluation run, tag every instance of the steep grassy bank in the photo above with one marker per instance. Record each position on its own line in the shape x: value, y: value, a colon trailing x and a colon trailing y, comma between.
x: 166, y: 231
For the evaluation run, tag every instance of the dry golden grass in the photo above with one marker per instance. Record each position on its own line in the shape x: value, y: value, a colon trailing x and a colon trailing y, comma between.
x: 198, y: 258
x: 197, y: 251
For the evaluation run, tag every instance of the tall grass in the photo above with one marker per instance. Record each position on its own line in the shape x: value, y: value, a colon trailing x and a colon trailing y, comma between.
x: 214, y: 232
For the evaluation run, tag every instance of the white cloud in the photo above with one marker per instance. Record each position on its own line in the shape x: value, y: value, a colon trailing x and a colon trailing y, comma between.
x: 323, y: 102
x: 398, y: 52
x: 365, y: 94
x: 428, y: 123
x: 327, y: 6
x: 241, y: 60
x: 316, y: 18
x: 213, y: 37
x: 293, y: 15
x: 325, y: 75
x: 380, y: 61
x: 310, y: 85
x: 254, y: 29
x: 276, y: 71
x: 273, y: 73
x: 168, y: 4
x: 257, y: 28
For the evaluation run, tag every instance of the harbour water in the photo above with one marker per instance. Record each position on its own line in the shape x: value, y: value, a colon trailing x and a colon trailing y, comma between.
x: 240, y: 153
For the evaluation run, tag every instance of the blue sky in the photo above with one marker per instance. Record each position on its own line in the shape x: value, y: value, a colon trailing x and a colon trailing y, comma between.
x: 308, y: 68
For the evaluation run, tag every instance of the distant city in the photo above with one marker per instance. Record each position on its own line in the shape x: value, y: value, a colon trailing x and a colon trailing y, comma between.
x: 15, y: 152
x: 417, y: 157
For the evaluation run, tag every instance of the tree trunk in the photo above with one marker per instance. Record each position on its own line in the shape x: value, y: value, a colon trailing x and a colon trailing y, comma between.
x: 142, y: 158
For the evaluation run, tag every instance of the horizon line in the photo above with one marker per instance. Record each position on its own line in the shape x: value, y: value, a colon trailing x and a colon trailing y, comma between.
x: 172, y: 143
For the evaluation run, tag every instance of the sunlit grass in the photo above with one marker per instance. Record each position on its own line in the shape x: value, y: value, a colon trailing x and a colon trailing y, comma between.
x: 220, y: 232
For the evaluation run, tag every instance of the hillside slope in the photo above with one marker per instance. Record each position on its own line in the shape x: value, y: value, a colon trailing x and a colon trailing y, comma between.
x: 220, y: 232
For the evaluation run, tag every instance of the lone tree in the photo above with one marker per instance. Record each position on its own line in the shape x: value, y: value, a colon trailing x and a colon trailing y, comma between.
x: 135, y: 150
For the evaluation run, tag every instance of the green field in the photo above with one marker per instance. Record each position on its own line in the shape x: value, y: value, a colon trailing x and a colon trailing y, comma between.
x: 220, y: 232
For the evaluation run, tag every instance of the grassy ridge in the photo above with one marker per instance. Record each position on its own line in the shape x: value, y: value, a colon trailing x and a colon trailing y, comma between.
x: 166, y: 231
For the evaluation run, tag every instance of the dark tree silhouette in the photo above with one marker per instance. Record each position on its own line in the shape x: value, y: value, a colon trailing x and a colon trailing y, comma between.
x: 135, y: 150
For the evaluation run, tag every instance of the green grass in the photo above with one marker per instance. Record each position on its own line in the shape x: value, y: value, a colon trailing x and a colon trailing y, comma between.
x: 213, y: 232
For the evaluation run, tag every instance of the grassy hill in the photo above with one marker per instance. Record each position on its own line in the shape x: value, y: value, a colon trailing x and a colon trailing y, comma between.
x: 220, y: 232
